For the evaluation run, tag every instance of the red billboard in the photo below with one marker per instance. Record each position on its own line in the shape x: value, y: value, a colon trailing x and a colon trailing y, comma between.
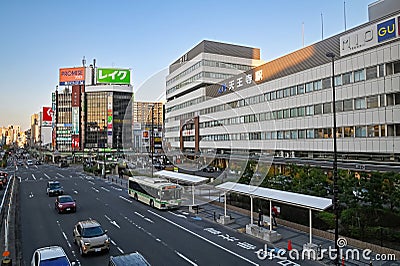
x: 75, y: 142
x: 76, y: 96
x: 47, y: 116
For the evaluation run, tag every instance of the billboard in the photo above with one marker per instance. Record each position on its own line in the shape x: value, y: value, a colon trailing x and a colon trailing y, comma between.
x: 75, y: 142
x: 369, y: 36
x: 47, y: 117
x: 72, y: 76
x: 76, y: 96
x: 114, y: 76
x: 109, y: 120
x: 75, y: 120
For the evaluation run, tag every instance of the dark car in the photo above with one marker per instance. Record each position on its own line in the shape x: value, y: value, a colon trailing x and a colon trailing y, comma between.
x: 208, y: 169
x: 63, y: 164
x: 133, y: 259
x: 65, y: 203
x: 54, y: 188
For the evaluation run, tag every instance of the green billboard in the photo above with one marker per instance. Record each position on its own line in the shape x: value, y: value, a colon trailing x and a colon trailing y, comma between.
x: 113, y: 76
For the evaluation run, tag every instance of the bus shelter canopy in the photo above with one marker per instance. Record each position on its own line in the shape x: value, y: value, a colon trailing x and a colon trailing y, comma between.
x: 291, y: 198
x: 182, y: 178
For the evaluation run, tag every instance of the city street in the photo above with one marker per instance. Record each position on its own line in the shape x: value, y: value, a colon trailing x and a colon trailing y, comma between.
x: 163, y: 237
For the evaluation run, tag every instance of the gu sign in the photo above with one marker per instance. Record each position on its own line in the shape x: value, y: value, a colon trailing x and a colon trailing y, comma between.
x: 369, y: 36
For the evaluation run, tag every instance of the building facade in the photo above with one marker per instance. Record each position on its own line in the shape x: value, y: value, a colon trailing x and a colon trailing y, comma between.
x: 285, y: 107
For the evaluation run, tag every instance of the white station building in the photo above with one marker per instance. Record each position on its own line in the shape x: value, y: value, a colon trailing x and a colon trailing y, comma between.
x: 222, y: 97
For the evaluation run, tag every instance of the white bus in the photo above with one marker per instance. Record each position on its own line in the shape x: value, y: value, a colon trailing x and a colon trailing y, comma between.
x: 158, y: 193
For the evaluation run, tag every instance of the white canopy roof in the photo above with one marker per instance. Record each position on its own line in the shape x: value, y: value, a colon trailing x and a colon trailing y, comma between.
x: 291, y: 198
x: 181, y: 177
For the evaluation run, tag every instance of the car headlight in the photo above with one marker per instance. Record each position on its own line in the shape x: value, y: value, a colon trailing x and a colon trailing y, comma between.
x: 107, y: 241
x: 86, y: 243
x: 59, y: 205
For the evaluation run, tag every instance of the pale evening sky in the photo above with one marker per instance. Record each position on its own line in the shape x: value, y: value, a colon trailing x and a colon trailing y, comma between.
x: 39, y: 37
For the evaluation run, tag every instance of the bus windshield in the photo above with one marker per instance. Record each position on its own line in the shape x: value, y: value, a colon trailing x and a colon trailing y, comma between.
x: 170, y: 194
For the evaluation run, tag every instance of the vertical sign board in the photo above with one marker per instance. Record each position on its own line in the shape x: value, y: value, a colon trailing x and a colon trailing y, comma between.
x: 53, y: 106
x: 75, y: 103
x: 109, y: 120
x: 47, y: 117
x: 75, y: 142
x: 75, y: 120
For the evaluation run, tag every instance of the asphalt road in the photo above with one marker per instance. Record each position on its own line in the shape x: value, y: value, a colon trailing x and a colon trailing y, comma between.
x: 163, y: 237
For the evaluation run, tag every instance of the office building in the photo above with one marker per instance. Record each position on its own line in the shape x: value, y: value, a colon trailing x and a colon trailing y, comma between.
x: 285, y: 107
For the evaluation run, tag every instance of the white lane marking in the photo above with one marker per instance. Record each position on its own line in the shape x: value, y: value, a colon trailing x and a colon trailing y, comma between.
x: 201, y: 237
x: 48, y: 177
x: 149, y: 220
x: 113, y: 222
x: 128, y: 200
x: 95, y: 189
x: 139, y: 214
x: 185, y: 258
x: 91, y: 182
x: 112, y: 242
x: 178, y: 215
x: 19, y: 178
x: 103, y: 188
x: 36, y: 167
x: 117, y: 188
x: 120, y: 250
x: 31, y: 195
x: 60, y: 175
x: 75, y: 192
x: 66, y: 239
x: 33, y: 176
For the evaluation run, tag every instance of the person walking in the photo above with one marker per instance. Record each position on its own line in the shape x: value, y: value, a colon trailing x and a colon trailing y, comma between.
x: 274, y: 215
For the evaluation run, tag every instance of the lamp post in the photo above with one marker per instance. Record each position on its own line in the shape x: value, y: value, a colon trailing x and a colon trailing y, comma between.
x: 335, y: 177
x: 152, y: 139
x: 104, y: 148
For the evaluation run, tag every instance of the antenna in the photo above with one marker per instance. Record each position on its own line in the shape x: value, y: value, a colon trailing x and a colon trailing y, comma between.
x: 83, y: 61
x: 302, y: 32
x: 344, y: 13
x: 322, y: 26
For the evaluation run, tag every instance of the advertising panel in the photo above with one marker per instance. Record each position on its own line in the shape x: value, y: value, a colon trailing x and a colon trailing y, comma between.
x: 76, y: 96
x: 145, y: 134
x: 369, y: 36
x: 72, y: 76
x: 47, y: 117
x: 137, y: 126
x: 75, y: 120
x: 75, y: 142
x: 109, y: 120
x: 114, y: 76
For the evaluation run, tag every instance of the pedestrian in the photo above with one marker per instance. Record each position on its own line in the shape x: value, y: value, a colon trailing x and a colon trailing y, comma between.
x: 260, y: 217
x: 274, y: 215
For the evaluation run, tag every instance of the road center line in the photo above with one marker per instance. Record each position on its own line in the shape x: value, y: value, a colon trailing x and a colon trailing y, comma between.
x: 201, y: 237
x: 128, y: 200
x: 33, y: 176
x: 103, y: 188
x: 48, y: 177
x: 139, y: 214
x: 60, y: 175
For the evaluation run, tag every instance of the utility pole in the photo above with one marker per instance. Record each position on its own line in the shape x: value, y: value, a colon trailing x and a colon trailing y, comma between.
x: 152, y: 139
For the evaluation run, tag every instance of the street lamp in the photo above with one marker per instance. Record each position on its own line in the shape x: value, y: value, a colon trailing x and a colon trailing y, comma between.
x: 152, y: 139
x: 104, y: 148
x: 335, y: 177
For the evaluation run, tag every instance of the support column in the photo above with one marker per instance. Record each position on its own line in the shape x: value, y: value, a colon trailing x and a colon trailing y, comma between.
x: 270, y: 216
x: 225, y: 203
x: 310, y: 214
x: 251, y: 210
x: 193, y: 194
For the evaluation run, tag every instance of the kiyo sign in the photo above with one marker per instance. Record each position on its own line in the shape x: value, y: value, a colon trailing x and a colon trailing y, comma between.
x: 114, y: 76
x: 369, y: 36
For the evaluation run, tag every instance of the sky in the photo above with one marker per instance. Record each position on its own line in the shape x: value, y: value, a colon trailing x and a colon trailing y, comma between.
x: 40, y: 37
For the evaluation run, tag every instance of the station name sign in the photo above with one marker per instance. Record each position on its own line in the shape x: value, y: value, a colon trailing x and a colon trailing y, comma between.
x: 370, y: 36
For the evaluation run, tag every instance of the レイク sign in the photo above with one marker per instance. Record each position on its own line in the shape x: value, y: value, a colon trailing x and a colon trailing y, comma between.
x: 369, y: 36
x: 114, y: 76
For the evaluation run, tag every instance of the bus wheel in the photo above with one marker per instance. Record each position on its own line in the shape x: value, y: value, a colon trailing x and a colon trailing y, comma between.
x: 152, y: 203
x: 136, y: 197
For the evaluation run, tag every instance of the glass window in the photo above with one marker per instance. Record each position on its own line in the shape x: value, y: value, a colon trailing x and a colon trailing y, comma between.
x: 383, y: 131
x: 361, y: 132
x: 397, y: 129
x: 310, y: 133
x: 286, y: 113
x: 348, y: 105
x: 389, y: 99
x: 396, y: 67
x: 372, y: 101
x: 309, y: 87
x: 339, y: 132
x: 293, y: 134
x: 279, y: 94
x: 397, y: 98
x: 293, y: 112
x: 279, y: 114
x: 293, y: 91
x: 339, y: 106
x: 381, y: 68
x: 382, y: 100
x: 279, y: 134
x: 359, y: 75
x: 287, y: 134
x: 372, y: 72
x: 338, y: 80
x: 327, y: 133
x: 273, y: 95
x: 318, y: 109
x: 327, y: 108
x: 319, y: 133
x: 317, y: 85
x: 347, y: 78
x: 348, y: 132
x: 373, y: 131
x: 301, y: 111
x: 359, y: 103
x: 389, y: 69
x: 390, y: 130
x: 302, y: 134
x: 310, y: 110
x: 267, y: 96
x: 326, y: 83
x: 300, y: 89
x: 286, y: 92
